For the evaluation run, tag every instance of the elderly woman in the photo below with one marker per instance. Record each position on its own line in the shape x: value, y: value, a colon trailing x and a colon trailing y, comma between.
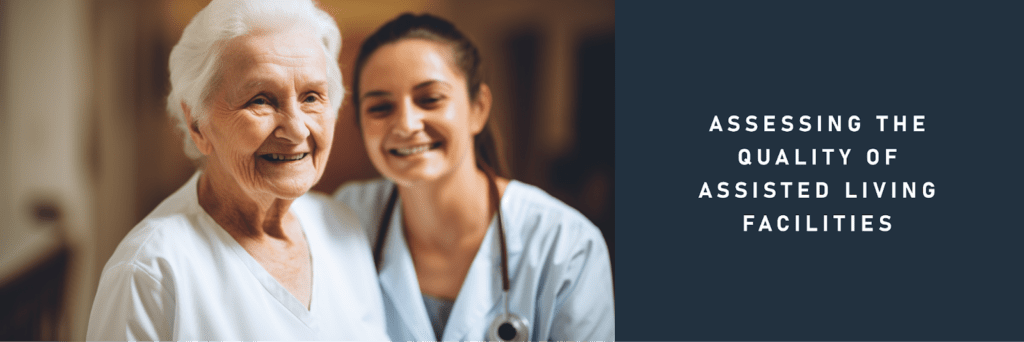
x: 241, y: 251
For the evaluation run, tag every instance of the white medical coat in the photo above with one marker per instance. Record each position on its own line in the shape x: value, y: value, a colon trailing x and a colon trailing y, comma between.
x: 559, y: 269
x: 179, y: 276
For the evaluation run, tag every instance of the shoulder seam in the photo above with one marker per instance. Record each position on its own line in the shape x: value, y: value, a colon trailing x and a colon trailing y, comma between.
x: 135, y: 256
x: 136, y: 269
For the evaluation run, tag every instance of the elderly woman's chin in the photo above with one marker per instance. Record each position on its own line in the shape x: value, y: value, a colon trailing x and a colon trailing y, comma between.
x: 289, y: 179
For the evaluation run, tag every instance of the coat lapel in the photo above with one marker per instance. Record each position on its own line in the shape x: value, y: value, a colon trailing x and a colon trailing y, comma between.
x: 398, y: 280
x: 480, y: 292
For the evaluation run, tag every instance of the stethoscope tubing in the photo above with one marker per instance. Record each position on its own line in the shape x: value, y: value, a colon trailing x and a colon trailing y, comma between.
x: 495, y: 199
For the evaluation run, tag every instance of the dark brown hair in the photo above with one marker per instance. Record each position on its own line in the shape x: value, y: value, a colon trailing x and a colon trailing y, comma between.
x: 467, y: 60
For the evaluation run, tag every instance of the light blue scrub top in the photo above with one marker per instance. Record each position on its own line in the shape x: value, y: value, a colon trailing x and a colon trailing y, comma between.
x: 559, y: 268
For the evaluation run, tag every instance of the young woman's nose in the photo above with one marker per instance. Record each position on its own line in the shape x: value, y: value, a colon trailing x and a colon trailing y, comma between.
x: 290, y: 123
x: 410, y: 119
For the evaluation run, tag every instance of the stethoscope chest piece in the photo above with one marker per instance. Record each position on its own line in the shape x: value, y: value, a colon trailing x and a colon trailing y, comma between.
x: 508, y: 327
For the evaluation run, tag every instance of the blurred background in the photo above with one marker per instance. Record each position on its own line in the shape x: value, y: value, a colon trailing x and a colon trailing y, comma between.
x: 86, y: 149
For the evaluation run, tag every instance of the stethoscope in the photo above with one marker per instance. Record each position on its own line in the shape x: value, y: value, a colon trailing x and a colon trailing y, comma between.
x: 507, y: 326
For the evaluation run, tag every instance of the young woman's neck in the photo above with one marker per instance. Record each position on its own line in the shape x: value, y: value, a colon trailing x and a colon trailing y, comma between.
x: 448, y: 211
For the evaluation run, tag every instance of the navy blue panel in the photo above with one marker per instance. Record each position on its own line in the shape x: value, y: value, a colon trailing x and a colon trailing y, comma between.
x: 950, y: 268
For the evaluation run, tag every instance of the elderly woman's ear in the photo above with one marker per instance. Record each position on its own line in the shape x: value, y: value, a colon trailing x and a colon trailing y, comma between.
x: 193, y: 131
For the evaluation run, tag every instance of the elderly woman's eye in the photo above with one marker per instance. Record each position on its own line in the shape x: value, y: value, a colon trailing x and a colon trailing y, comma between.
x: 310, y: 99
x: 260, y: 101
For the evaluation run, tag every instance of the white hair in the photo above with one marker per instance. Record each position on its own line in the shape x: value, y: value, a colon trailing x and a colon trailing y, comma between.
x: 195, y: 61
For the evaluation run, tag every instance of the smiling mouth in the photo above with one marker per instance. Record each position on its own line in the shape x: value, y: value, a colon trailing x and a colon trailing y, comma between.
x: 278, y: 157
x: 403, y: 152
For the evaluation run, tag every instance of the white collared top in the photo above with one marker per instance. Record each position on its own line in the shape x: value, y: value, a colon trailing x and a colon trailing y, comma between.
x: 179, y: 276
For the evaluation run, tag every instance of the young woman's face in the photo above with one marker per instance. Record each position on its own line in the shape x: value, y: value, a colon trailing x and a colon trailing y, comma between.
x: 417, y: 120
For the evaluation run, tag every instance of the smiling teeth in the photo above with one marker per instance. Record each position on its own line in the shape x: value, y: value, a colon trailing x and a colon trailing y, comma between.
x: 285, y: 157
x: 412, y: 150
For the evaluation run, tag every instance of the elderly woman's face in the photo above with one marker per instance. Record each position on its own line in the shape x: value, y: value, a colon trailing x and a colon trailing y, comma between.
x: 269, y: 127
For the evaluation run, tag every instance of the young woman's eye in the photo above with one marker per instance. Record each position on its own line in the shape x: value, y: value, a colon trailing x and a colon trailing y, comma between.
x: 378, y: 109
x: 430, y: 100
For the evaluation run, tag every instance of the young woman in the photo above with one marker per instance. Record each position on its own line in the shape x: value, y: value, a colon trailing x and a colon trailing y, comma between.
x: 463, y: 253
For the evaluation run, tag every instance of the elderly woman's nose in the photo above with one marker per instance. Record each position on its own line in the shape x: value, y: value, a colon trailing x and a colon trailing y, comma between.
x: 291, y: 124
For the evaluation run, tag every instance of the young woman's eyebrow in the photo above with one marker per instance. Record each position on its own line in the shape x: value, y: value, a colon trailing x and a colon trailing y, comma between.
x: 432, y: 82
x: 382, y: 93
x: 375, y: 93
